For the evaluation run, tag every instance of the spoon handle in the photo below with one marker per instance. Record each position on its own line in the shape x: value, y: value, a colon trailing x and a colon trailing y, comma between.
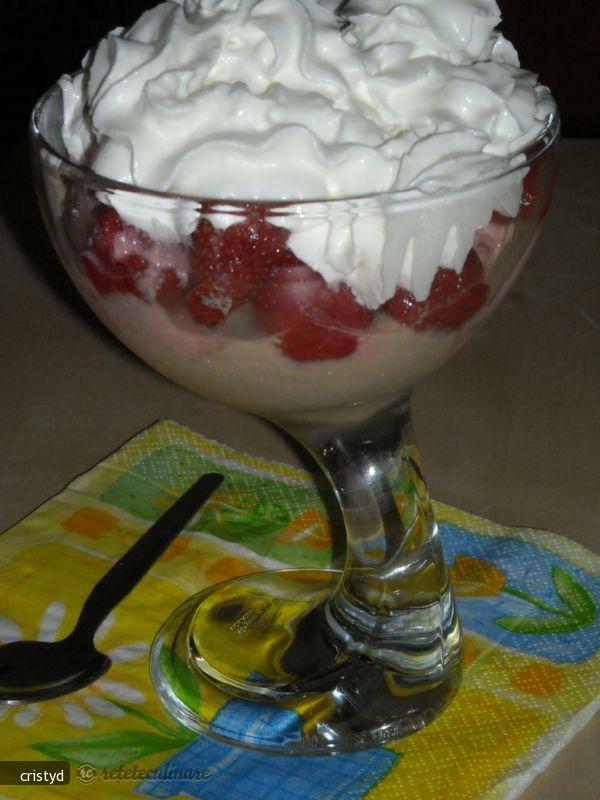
x: 130, y: 568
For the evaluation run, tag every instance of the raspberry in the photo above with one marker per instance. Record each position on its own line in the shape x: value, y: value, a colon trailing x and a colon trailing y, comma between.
x: 283, y: 299
x: 500, y: 219
x: 339, y: 306
x: 109, y: 226
x: 452, y: 300
x: 317, y: 319
x: 295, y: 294
x: 230, y: 266
x: 403, y: 307
x: 472, y: 271
x: 209, y: 302
x: 113, y: 262
x: 169, y: 292
x: 453, y: 312
x: 308, y: 341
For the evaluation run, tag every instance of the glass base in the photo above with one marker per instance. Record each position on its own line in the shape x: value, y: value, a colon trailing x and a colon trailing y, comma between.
x: 253, y: 662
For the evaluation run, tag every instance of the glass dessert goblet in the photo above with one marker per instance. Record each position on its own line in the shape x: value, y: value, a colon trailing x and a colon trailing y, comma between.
x: 241, y: 303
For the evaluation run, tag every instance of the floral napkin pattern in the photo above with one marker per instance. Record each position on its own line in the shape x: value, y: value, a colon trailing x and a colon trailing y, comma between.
x: 528, y: 601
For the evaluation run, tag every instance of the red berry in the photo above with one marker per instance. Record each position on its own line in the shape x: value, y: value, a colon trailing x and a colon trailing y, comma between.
x: 452, y: 300
x: 453, y: 312
x: 308, y: 341
x: 169, y: 292
x: 445, y: 285
x: 317, y: 319
x: 338, y: 306
x: 285, y: 297
x: 113, y: 262
x: 403, y: 307
x: 131, y: 264
x: 295, y: 294
x: 102, y: 280
x: 206, y: 241
x: 111, y: 280
x: 108, y: 227
x: 208, y: 302
x: 501, y: 219
x: 229, y: 266
x: 472, y: 271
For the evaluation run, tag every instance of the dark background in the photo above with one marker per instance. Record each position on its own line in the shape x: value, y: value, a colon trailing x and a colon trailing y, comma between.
x: 559, y: 39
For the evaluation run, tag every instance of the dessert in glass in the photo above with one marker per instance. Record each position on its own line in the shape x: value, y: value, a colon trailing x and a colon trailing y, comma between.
x: 300, y: 211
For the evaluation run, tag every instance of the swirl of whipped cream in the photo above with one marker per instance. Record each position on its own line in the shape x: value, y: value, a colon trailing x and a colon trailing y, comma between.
x: 295, y: 101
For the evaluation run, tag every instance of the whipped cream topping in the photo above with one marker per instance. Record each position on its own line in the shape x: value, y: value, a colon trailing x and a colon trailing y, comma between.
x: 303, y: 100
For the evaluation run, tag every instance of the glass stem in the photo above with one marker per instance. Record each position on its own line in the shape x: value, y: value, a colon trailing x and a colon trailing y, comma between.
x: 394, y: 603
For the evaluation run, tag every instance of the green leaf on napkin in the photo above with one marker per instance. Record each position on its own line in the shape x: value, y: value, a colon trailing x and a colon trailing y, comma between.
x: 179, y: 733
x: 109, y: 750
x: 538, y: 624
x: 180, y: 678
x: 582, y: 610
x: 262, y: 519
x: 574, y: 595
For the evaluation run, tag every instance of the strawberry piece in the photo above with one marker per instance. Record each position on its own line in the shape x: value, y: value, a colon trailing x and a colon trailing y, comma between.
x: 403, y: 307
x: 296, y: 294
x: 169, y: 292
x: 117, y: 279
x: 452, y: 299
x: 500, y: 219
x: 112, y: 262
x: 308, y: 341
x: 453, y: 312
x: 316, y: 319
x: 339, y: 306
x: 103, y: 281
x: 285, y: 298
x: 230, y: 266
x: 109, y: 226
x: 209, y: 302
x: 472, y: 271
x: 206, y: 241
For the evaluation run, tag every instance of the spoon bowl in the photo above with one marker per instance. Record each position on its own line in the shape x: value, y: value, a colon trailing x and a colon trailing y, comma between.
x: 31, y: 671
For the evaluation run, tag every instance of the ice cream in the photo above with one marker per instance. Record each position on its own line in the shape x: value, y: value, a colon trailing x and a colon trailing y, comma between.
x: 274, y: 100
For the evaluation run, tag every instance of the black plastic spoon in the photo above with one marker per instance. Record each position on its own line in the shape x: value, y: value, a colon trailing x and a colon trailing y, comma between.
x: 32, y: 671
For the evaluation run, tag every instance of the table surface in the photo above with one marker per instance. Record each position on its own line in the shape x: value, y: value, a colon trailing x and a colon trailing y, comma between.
x: 509, y: 429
